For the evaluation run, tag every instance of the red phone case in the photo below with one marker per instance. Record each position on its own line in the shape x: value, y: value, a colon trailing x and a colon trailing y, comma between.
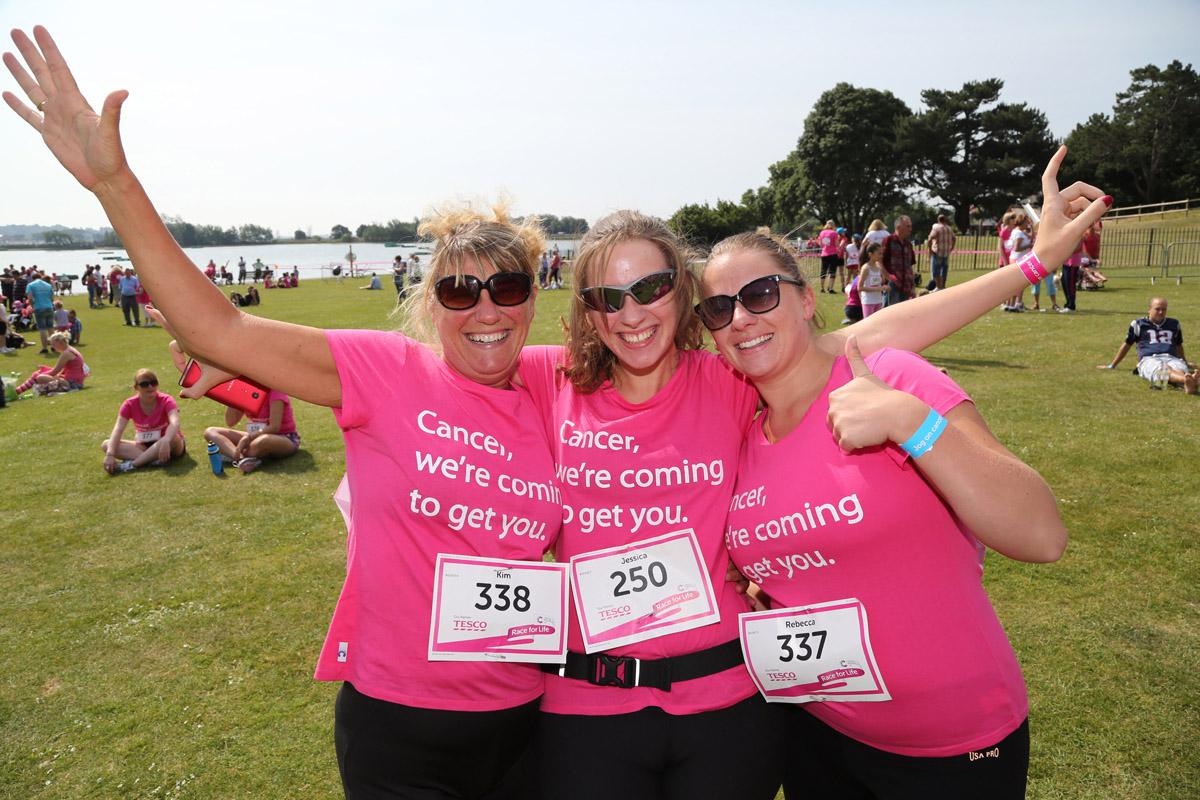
x: 240, y: 393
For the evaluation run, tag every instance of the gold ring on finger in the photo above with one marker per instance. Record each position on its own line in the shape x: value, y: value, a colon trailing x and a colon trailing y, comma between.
x: 42, y: 105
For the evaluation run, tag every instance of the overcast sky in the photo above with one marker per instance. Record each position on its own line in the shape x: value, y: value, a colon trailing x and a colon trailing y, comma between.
x: 309, y: 114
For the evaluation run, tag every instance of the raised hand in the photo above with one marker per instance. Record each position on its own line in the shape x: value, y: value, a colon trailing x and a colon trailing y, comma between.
x: 866, y: 411
x: 86, y: 143
x: 1066, y: 214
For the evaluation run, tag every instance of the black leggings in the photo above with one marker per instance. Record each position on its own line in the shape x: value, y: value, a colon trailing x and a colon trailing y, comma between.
x: 823, y: 764
x: 1070, y: 280
x: 734, y: 752
x: 387, y: 751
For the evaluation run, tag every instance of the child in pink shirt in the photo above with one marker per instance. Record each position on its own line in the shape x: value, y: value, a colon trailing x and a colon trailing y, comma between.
x: 158, y: 436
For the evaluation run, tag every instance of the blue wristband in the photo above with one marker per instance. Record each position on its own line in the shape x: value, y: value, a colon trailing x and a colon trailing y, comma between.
x: 922, y: 441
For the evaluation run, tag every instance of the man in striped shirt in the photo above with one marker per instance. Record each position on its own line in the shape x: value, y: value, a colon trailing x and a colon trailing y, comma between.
x: 941, y: 245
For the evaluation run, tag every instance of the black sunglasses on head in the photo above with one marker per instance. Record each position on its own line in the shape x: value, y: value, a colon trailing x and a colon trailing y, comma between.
x: 505, y: 289
x: 758, y: 297
x: 644, y: 291
x: 146, y: 384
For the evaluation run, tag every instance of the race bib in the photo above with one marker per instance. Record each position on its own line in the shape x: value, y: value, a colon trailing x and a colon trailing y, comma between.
x: 493, y: 609
x: 255, y: 427
x: 148, y: 437
x: 634, y: 592
x: 812, y: 653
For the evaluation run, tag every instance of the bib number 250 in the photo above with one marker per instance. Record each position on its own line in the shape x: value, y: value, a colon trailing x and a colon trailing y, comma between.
x: 656, y: 575
x: 502, y: 602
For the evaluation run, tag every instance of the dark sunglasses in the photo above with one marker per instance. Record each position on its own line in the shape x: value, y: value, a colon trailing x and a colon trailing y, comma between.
x: 505, y: 289
x: 644, y: 290
x: 758, y: 297
x: 146, y: 384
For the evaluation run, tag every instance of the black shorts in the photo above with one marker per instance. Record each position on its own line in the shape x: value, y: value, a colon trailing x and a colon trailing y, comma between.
x: 823, y: 764
x: 829, y: 266
x: 387, y: 750
x: 736, y: 752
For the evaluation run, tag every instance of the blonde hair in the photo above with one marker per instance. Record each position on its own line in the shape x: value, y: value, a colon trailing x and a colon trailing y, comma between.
x: 876, y: 225
x: 59, y: 336
x: 459, y: 235
x: 774, y: 247
x: 144, y: 375
x: 590, y: 363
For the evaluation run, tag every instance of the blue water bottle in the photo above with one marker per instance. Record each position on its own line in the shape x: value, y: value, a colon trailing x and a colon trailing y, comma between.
x: 214, y: 458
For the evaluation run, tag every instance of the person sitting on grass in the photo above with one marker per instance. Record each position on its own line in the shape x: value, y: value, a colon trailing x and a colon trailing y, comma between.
x: 374, y: 285
x: 272, y: 436
x: 67, y: 374
x: 74, y: 326
x: 1159, y: 341
x: 158, y: 438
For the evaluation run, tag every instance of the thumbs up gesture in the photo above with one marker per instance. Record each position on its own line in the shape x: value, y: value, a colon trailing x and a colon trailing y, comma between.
x: 866, y: 411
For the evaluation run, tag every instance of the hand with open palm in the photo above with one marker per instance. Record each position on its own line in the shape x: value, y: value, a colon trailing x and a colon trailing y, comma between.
x: 86, y: 143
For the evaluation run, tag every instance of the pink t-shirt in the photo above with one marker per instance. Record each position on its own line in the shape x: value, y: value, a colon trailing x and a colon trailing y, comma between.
x: 74, y: 370
x: 156, y: 420
x: 881, y: 534
x: 288, y: 423
x: 829, y: 242
x: 693, y: 429
x: 404, y: 412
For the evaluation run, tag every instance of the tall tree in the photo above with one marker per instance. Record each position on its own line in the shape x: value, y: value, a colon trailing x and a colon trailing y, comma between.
x: 969, y: 149
x: 845, y: 166
x: 1147, y: 151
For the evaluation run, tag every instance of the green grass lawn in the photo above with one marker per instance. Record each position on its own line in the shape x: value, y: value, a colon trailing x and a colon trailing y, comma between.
x: 158, y: 631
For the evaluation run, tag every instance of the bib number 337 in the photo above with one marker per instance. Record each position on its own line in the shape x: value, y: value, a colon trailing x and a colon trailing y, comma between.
x: 812, y: 653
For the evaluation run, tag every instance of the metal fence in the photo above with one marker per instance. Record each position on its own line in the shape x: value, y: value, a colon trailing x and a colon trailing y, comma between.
x: 1144, y: 253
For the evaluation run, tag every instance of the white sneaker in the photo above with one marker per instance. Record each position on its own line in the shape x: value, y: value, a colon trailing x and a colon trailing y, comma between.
x: 125, y: 466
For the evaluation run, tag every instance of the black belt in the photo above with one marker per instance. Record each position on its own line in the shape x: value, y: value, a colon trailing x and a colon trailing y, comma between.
x: 626, y: 672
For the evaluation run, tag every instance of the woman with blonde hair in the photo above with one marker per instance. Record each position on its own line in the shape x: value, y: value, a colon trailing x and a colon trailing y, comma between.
x: 877, y: 233
x: 403, y: 725
x: 1019, y: 244
x: 878, y: 484
x: 158, y: 435
x: 68, y: 373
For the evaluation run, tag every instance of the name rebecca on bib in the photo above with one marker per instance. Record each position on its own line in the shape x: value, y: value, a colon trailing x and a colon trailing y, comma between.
x: 845, y: 511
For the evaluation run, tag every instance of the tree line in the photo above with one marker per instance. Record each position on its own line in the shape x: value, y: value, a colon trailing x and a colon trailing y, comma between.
x: 864, y: 154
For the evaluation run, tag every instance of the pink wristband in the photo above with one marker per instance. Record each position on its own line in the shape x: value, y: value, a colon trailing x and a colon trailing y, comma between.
x: 1032, y: 269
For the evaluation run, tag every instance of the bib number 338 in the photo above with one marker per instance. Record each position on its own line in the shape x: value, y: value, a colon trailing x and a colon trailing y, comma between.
x: 492, y: 609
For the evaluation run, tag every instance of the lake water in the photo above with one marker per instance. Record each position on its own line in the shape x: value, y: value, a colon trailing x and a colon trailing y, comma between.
x: 313, y: 260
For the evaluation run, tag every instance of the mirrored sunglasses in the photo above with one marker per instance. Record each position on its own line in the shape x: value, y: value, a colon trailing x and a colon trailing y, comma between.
x: 644, y: 290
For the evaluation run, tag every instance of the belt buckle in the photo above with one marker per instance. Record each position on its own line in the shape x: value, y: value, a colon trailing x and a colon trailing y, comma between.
x: 620, y: 671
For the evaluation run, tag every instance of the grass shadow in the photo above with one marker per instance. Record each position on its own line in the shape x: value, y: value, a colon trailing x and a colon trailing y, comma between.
x: 972, y: 364
x: 302, y: 461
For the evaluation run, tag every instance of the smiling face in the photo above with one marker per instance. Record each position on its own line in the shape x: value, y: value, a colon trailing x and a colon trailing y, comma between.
x: 760, y: 346
x: 642, y: 337
x: 483, y: 343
